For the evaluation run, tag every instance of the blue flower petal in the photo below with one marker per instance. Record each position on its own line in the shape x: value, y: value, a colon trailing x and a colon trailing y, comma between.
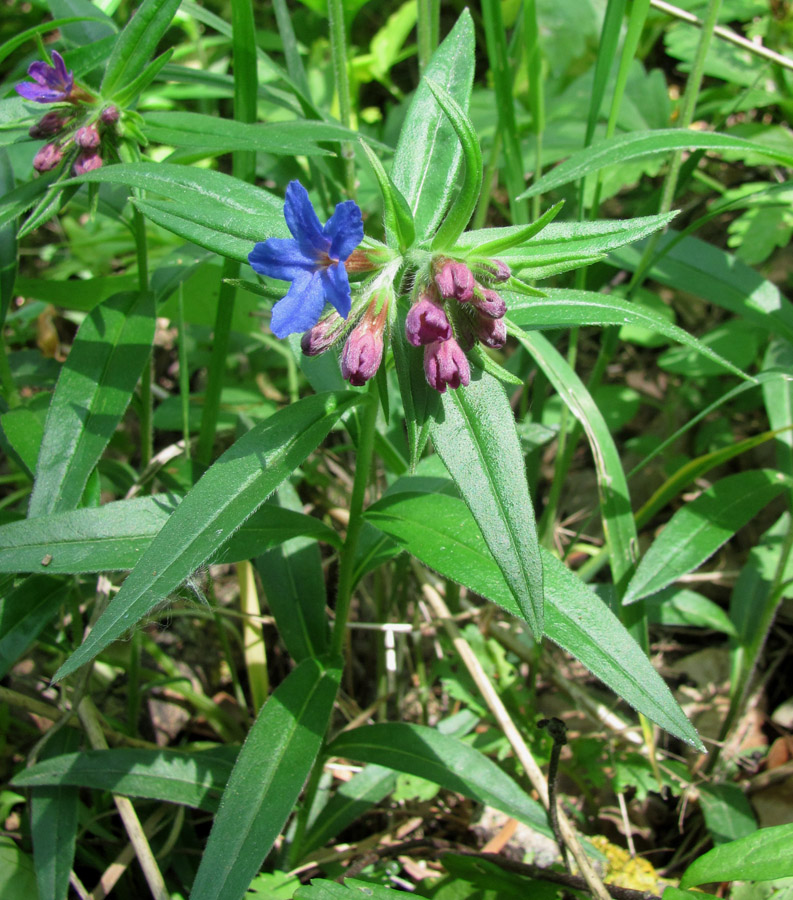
x: 345, y: 230
x: 37, y: 93
x: 337, y: 288
x: 303, y: 221
x: 280, y: 258
x: 301, y: 308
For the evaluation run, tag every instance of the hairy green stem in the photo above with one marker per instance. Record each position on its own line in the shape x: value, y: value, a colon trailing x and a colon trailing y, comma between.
x: 363, y: 467
x: 338, y: 51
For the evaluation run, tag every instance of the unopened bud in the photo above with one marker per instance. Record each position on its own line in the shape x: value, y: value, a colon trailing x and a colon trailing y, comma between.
x: 445, y: 365
x: 455, y: 280
x: 110, y: 115
x: 87, y: 162
x: 319, y: 338
x: 427, y: 322
x: 489, y: 303
x: 491, y: 332
x: 493, y: 270
x: 50, y: 123
x: 47, y: 158
x: 363, y: 349
x: 88, y: 137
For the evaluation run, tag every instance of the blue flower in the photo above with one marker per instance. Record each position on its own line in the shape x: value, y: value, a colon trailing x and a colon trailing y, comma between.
x: 313, y: 260
x: 54, y: 83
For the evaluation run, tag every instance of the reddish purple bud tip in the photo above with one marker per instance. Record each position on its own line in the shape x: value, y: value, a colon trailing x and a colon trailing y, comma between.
x: 445, y: 364
x: 50, y: 123
x: 319, y: 338
x: 455, y: 280
x: 491, y: 332
x: 47, y: 158
x: 110, y: 115
x: 88, y: 137
x: 87, y: 162
x: 426, y: 322
x: 493, y: 270
x: 489, y: 303
x: 361, y: 356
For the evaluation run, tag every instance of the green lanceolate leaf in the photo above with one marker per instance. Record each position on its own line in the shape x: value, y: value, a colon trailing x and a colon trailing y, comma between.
x: 447, y: 761
x: 399, y: 226
x: 92, y: 394
x: 24, y: 612
x: 113, y: 537
x: 217, y: 211
x: 440, y: 532
x: 474, y: 434
x: 234, y: 487
x: 511, y: 237
x: 761, y: 856
x: 562, y: 245
x: 192, y: 779
x: 350, y: 802
x: 571, y: 309
x: 53, y: 824
x: 269, y: 774
x: 695, y: 532
x: 428, y: 154
x: 615, y: 505
x: 8, y: 241
x: 465, y: 202
x: 149, y: 73
x: 136, y: 44
x: 635, y: 145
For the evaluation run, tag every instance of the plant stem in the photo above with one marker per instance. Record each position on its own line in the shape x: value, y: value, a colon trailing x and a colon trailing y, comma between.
x: 338, y: 51
x: 363, y: 467
x: 146, y: 401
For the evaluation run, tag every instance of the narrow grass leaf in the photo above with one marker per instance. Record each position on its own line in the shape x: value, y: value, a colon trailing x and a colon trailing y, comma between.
x: 571, y: 309
x: 53, y: 824
x: 761, y: 856
x: 92, y: 394
x: 615, y: 506
x: 636, y: 145
x: 269, y: 774
x: 711, y: 273
x: 440, y: 532
x: 454, y: 765
x: 193, y: 779
x: 512, y: 236
x: 428, y: 155
x: 136, y: 44
x: 697, y: 530
x: 474, y: 434
x: 233, y: 488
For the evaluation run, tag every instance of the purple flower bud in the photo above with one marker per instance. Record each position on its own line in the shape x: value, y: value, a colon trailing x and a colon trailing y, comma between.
x: 426, y: 322
x: 110, y: 115
x: 86, y: 162
x: 445, y: 364
x: 489, y: 303
x: 50, y: 123
x: 363, y: 350
x: 87, y: 137
x: 456, y: 280
x: 491, y: 332
x: 493, y: 270
x: 47, y: 158
x: 319, y: 338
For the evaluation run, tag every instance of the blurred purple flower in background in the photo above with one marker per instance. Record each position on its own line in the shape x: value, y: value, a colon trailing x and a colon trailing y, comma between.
x: 53, y: 83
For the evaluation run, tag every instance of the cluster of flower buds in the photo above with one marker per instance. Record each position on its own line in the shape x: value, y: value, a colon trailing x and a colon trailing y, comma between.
x: 365, y: 344
x: 77, y: 128
x: 454, y: 311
